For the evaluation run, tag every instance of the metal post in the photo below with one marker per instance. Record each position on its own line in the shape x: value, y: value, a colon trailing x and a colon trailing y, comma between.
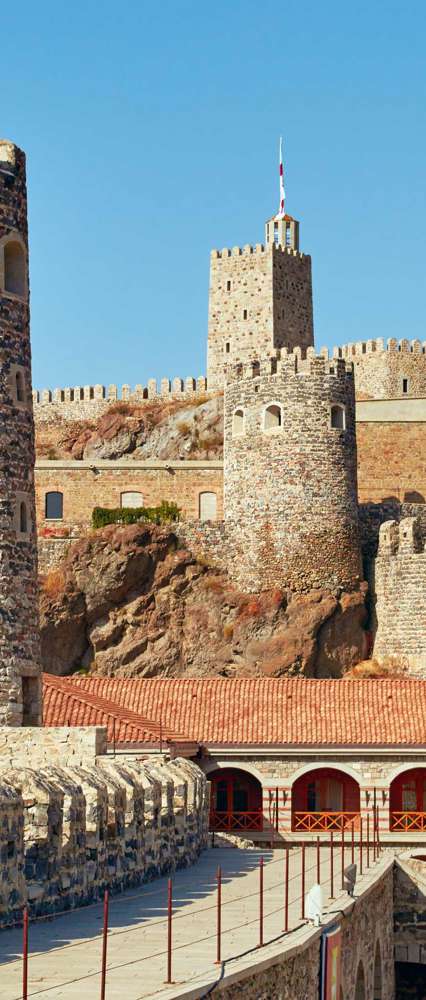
x: 360, y: 845
x: 169, y: 931
x: 353, y: 843
x: 261, y: 903
x: 219, y: 915
x: 368, y: 840
x: 318, y: 862
x: 113, y: 736
x: 302, y: 909
x: 25, y: 956
x: 286, y: 880
x: 104, y: 945
x: 331, y: 865
x: 342, y: 855
x: 375, y: 851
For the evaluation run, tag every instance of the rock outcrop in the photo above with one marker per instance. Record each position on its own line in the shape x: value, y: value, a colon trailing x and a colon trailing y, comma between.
x: 130, y: 601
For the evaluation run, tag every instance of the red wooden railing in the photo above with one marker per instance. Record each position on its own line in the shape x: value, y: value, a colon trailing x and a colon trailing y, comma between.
x: 406, y: 821
x: 236, y: 820
x: 314, y: 821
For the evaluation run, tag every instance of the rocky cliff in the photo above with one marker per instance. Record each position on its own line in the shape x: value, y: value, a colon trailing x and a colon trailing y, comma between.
x: 131, y: 601
x: 157, y: 429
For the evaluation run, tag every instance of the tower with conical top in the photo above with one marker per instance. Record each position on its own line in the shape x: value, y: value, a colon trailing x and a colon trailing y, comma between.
x: 260, y: 298
x: 20, y: 666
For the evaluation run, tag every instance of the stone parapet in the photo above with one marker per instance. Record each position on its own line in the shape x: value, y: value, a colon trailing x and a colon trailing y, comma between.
x: 83, y: 402
x: 399, y: 582
x: 387, y: 370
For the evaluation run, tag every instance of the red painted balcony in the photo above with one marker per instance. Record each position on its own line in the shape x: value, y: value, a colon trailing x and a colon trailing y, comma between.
x: 407, y: 821
x: 236, y: 822
x: 316, y: 822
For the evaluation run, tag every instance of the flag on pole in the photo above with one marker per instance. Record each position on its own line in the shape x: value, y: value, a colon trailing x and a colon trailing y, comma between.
x: 281, y: 212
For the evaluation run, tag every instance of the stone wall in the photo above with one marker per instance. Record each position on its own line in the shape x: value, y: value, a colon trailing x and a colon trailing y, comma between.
x: 290, y: 491
x: 35, y: 746
x: 410, y: 909
x: 69, y: 832
x: 399, y: 586
x: 20, y: 687
x: 391, y: 461
x: 381, y: 367
x: 91, y: 401
x: 260, y: 299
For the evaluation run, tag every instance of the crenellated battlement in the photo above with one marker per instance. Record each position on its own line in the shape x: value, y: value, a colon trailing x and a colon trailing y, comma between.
x: 97, y: 397
x: 258, y: 248
x: 281, y: 362
x: 401, y: 537
x: 379, y: 346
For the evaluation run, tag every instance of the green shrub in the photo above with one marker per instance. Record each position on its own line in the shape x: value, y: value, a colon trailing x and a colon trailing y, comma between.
x: 165, y: 513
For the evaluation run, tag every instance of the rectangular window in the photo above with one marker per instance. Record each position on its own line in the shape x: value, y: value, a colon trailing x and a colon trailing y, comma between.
x: 244, y: 313
x: 227, y: 347
x: 287, y: 234
x: 228, y: 286
x: 405, y: 385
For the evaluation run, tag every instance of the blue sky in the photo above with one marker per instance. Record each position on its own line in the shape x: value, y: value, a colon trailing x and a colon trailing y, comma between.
x: 151, y: 132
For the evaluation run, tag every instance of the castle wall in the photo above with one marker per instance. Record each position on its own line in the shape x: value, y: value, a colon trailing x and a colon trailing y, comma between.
x: 260, y: 298
x: 91, y: 401
x: 399, y: 575
x: 290, y: 492
x: 409, y: 910
x: 380, y: 368
x: 20, y: 687
x: 69, y: 830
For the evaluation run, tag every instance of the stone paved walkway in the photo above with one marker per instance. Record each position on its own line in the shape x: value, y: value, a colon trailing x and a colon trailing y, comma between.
x: 65, y: 952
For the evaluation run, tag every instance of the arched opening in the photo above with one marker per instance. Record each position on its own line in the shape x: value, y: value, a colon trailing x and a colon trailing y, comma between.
x: 272, y: 418
x: 14, y: 268
x: 207, y: 506
x: 360, y: 983
x: 54, y: 506
x: 338, y: 417
x: 131, y: 499
x: 236, y: 801
x: 325, y: 799
x: 377, y: 989
x: 407, y: 800
x: 23, y: 518
x: 19, y: 387
x: 238, y: 423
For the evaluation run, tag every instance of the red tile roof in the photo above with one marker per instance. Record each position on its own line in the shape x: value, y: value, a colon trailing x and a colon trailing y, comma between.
x: 65, y: 703
x: 254, y: 711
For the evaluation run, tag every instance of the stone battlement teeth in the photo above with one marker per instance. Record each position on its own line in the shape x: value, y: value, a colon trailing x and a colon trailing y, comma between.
x: 256, y: 249
x: 176, y: 388
x: 379, y: 346
x: 302, y: 363
x: 400, y: 537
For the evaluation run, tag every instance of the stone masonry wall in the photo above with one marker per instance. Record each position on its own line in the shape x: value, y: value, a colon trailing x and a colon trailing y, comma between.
x: 69, y: 832
x: 290, y: 493
x: 380, y: 368
x: 399, y: 584
x: 391, y: 461
x: 260, y: 299
x: 410, y: 909
x: 91, y: 401
x: 20, y: 686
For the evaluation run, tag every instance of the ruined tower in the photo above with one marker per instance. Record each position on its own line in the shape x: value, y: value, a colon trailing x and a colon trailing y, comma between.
x: 260, y: 299
x: 290, y: 487
x: 20, y: 680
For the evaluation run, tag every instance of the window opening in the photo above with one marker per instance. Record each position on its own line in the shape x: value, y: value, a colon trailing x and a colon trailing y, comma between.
x: 207, y: 506
x: 14, y: 268
x: 23, y: 518
x: 131, y: 499
x: 405, y: 385
x: 54, y: 505
x: 273, y: 417
x: 20, y: 390
x: 338, y: 417
x: 238, y: 423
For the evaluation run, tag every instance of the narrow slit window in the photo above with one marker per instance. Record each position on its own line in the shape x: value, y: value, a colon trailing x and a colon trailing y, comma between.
x: 244, y: 313
x: 405, y: 386
x: 228, y: 286
x: 20, y: 388
x: 23, y: 518
x: 227, y: 347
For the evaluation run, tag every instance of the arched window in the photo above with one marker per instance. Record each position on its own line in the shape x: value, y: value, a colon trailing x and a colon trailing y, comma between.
x: 407, y: 800
x: 20, y: 387
x: 14, y: 268
x: 236, y: 800
x: 131, y: 499
x: 207, y: 506
x: 360, y: 983
x: 338, y: 417
x: 238, y: 423
x: 272, y: 419
x: 54, y: 506
x: 23, y: 518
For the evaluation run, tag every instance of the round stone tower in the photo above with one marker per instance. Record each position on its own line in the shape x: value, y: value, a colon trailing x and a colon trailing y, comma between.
x: 20, y: 667
x: 290, y: 486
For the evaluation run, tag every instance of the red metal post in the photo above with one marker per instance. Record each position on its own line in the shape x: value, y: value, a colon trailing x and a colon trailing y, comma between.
x: 104, y: 944
x: 169, y: 931
x: 342, y: 855
x: 25, y: 956
x: 331, y: 865
x: 286, y: 881
x: 318, y: 862
x: 219, y: 915
x: 360, y: 845
x: 375, y: 852
x: 261, y: 903
x: 353, y: 842
x: 302, y: 908
x: 368, y: 840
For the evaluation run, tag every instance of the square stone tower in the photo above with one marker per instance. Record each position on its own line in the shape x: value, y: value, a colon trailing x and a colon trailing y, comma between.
x: 260, y: 300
